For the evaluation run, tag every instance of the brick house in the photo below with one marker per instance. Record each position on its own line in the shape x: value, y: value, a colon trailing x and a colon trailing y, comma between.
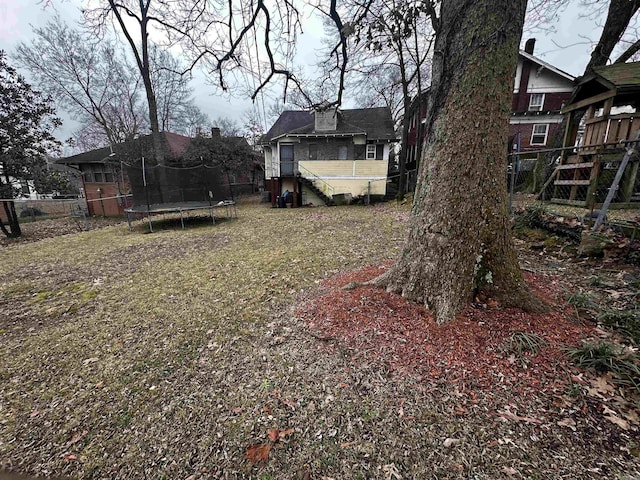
x: 106, y: 186
x: 540, y: 90
x: 326, y: 154
x: 539, y: 93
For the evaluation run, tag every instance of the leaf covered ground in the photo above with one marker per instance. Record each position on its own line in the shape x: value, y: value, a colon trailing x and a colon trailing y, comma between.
x: 231, y: 351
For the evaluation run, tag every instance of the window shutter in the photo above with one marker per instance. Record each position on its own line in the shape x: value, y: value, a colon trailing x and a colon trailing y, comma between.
x: 379, y: 151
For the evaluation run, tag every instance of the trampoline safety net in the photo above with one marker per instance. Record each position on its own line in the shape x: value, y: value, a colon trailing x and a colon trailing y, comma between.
x: 162, y: 185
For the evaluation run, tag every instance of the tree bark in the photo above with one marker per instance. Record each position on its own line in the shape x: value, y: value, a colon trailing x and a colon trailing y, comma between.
x: 459, y: 240
x: 618, y: 18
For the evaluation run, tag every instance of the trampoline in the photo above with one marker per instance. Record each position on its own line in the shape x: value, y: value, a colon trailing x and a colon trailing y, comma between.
x: 163, y: 208
x: 164, y: 189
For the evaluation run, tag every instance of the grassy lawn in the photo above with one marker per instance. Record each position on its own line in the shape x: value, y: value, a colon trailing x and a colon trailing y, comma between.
x: 167, y: 355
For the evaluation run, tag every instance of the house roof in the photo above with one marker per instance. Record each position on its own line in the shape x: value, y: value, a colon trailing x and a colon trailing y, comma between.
x: 176, y: 143
x: 98, y: 155
x: 546, y: 65
x: 621, y: 80
x: 375, y: 123
x: 620, y: 74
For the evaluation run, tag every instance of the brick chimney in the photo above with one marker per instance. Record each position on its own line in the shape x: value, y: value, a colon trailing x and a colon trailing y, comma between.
x: 530, y: 45
x: 215, y: 132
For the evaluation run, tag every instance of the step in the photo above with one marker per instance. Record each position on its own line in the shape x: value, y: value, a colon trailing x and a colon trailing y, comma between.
x: 573, y: 166
x: 572, y: 182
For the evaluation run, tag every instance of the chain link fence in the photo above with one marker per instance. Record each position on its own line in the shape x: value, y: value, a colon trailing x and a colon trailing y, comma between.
x: 29, y: 210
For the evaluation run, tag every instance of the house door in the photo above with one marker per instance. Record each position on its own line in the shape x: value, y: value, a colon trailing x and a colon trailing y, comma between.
x: 286, y: 161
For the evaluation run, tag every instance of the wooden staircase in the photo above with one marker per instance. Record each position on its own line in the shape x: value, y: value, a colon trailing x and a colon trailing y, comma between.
x: 328, y: 201
x: 584, y: 179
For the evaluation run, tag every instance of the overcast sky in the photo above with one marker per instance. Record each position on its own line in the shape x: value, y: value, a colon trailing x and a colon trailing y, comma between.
x: 562, y: 48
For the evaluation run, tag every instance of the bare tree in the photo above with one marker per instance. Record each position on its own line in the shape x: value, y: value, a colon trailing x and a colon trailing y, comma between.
x: 227, y: 126
x: 388, y: 48
x: 91, y: 81
x: 619, y: 15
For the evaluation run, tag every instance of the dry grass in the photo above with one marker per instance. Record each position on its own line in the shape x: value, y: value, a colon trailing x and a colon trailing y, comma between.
x: 128, y: 355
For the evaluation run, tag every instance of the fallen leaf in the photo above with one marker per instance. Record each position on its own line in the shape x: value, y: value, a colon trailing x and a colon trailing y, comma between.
x: 512, y: 416
x: 510, y: 471
x: 273, y: 434
x: 35, y: 413
x: 99, y: 384
x: 285, y: 433
x: 347, y: 444
x: 568, y: 422
x: 87, y: 361
x: 449, y: 442
x: 258, y: 453
x: 602, y: 385
x: 70, y: 457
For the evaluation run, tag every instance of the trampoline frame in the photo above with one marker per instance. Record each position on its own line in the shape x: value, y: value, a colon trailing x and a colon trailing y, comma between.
x: 164, y: 208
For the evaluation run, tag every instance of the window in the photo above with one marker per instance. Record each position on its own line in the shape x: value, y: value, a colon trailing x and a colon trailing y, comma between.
x: 97, y: 173
x: 539, y: 134
x: 536, y: 102
x: 24, y: 187
x: 371, y: 151
x: 313, y: 151
x: 342, y: 152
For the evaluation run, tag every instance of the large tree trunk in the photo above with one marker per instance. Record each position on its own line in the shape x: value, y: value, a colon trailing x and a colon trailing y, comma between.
x: 618, y: 17
x: 459, y: 239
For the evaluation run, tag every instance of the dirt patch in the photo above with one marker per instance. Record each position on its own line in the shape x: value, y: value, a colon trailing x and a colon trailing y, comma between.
x: 56, y: 227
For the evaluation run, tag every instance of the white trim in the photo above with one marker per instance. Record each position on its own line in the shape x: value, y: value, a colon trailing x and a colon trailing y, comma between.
x: 517, y: 120
x: 317, y: 135
x: 349, y: 177
x: 549, y: 90
x: 533, y: 133
x: 537, y: 107
x: 547, y: 65
x: 366, y: 156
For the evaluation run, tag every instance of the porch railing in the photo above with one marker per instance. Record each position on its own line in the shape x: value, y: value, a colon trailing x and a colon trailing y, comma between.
x: 321, y: 184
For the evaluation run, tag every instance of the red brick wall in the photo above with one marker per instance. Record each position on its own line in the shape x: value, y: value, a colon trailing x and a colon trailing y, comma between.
x: 552, y: 101
x: 108, y: 207
x: 526, y: 129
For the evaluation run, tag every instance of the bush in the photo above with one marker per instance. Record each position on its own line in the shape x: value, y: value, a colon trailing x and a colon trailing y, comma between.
x: 626, y: 322
x: 31, y: 212
x: 607, y: 357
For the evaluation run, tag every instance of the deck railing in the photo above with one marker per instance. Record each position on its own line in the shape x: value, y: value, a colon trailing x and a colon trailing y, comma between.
x: 321, y: 184
x: 609, y: 130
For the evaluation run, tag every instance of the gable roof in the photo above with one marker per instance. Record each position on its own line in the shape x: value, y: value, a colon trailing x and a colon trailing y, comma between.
x: 620, y: 80
x: 375, y: 123
x: 620, y: 74
x: 546, y: 65
x: 176, y: 143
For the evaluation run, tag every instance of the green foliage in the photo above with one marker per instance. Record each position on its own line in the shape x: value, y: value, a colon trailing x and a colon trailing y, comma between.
x: 530, y: 218
x: 607, y: 357
x: 521, y: 342
x: 625, y: 321
x: 580, y: 299
x: 26, y: 120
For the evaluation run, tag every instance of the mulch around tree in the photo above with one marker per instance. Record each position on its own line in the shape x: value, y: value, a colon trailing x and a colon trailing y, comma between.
x: 478, y: 356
